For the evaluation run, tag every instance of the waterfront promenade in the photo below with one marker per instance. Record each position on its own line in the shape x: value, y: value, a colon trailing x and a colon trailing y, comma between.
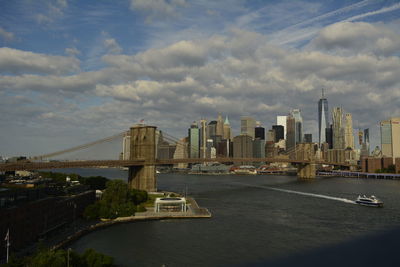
x: 391, y: 176
x: 194, y: 211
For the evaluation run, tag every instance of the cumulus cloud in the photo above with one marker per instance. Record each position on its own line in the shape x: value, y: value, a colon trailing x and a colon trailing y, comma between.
x: 157, y: 9
x: 358, y: 37
x: 7, y: 36
x: 17, y: 61
x: 238, y: 73
x: 112, y: 46
x: 72, y: 51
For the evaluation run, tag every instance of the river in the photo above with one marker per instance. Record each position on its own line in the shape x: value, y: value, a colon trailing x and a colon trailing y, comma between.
x: 254, y: 219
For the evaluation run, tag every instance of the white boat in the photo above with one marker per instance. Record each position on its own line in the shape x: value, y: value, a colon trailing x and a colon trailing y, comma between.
x: 371, y: 201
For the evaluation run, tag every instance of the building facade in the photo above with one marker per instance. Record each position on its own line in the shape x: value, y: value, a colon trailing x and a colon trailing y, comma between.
x: 390, y: 138
x: 247, y: 126
x: 279, y: 132
x: 296, y: 113
x: 194, y: 140
x: 281, y: 120
x: 323, y: 118
x: 348, y: 131
x: 337, y: 128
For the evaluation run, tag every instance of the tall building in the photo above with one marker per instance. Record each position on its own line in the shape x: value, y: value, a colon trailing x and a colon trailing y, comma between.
x: 290, y: 132
x: 323, y: 118
x: 212, y: 129
x: 281, y: 120
x: 390, y: 138
x: 279, y: 132
x: 299, y: 125
x: 203, y: 138
x: 242, y: 146
x: 220, y: 125
x: 329, y: 136
x: 348, y: 131
x: 247, y: 126
x: 259, y: 132
x: 259, y: 148
x: 365, y: 145
x: 337, y: 128
x: 271, y: 136
x: 307, y: 138
x: 194, y: 140
x: 227, y: 130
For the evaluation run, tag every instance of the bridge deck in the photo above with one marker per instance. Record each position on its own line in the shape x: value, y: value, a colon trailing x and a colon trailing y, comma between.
x: 126, y: 163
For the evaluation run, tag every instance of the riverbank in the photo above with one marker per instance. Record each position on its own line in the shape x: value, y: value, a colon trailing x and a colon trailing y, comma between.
x: 194, y: 212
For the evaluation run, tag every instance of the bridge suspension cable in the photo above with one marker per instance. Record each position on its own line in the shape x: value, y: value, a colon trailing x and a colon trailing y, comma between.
x: 80, y: 147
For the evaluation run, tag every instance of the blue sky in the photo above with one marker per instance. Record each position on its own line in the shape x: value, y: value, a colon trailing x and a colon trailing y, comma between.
x: 76, y: 71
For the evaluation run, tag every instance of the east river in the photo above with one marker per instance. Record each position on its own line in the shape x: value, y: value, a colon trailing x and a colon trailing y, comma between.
x: 254, y: 219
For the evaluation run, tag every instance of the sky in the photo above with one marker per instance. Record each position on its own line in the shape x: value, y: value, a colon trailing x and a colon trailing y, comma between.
x: 72, y: 72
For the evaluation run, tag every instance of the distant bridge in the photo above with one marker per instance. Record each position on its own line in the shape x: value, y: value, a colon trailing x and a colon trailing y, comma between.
x: 142, y: 160
x: 29, y: 166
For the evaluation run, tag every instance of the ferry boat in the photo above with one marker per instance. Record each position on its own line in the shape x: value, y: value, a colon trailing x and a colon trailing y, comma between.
x: 369, y: 201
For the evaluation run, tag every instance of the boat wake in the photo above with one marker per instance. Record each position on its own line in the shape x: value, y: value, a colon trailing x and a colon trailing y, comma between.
x: 345, y: 200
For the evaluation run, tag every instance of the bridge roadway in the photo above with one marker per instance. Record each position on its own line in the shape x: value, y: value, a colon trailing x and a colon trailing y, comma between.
x: 26, y: 165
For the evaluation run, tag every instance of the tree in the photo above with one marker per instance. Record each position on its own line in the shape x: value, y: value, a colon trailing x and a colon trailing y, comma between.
x: 95, y: 182
x: 52, y: 258
x: 95, y: 259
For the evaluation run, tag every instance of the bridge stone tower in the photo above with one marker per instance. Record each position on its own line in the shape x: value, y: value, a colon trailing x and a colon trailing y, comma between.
x: 143, y: 147
x: 306, y: 170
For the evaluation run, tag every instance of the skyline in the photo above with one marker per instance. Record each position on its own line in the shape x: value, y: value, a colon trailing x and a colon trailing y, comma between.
x: 73, y: 72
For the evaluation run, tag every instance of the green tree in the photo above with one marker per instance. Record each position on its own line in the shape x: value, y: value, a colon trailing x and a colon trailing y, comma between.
x: 95, y: 182
x: 52, y: 258
x: 95, y: 259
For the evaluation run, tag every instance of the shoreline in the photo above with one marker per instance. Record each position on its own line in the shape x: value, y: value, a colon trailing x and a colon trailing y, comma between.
x: 194, y: 212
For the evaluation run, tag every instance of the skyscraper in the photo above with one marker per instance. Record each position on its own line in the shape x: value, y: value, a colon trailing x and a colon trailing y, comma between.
x: 337, y: 128
x: 259, y: 132
x: 220, y: 125
x: 329, y: 136
x: 291, y: 132
x: 227, y: 130
x: 307, y: 138
x: 247, y: 125
x: 194, y: 140
x: 281, y: 120
x: 323, y: 118
x: 279, y: 132
x: 390, y: 138
x: 203, y: 138
x: 348, y: 131
x: 212, y: 129
x: 242, y: 146
x: 299, y: 125
x: 365, y: 144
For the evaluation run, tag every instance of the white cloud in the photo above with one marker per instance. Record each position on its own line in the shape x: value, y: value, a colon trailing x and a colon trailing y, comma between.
x: 358, y: 37
x: 17, y: 61
x: 72, y: 51
x: 112, y: 46
x: 237, y: 73
x: 7, y: 36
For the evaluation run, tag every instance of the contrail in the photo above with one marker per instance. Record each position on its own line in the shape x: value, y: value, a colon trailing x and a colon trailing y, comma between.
x: 345, y: 200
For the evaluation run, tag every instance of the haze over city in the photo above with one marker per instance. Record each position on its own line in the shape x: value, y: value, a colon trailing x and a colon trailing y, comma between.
x: 72, y: 72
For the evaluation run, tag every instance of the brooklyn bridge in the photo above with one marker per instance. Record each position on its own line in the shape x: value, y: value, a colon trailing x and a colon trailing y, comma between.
x: 143, y: 159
